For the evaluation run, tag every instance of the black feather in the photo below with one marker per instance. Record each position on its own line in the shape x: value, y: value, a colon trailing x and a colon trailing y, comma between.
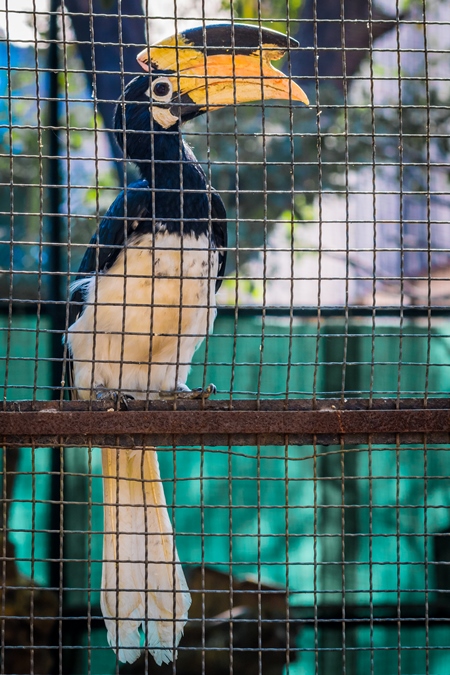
x: 220, y: 229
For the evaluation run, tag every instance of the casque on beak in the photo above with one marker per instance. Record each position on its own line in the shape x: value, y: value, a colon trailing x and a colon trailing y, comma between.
x: 224, y: 64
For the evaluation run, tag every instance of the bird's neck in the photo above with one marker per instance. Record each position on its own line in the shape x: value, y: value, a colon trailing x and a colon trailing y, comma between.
x: 168, y: 162
x: 178, y: 182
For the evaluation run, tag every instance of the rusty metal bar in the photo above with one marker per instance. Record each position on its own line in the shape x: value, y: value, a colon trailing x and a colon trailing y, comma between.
x: 222, y: 423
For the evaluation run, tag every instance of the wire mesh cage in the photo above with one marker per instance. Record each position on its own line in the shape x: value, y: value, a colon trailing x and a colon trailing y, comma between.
x: 293, y: 517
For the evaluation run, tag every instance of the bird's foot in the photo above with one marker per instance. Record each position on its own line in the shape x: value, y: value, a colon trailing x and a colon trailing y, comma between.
x: 184, y: 393
x: 119, y: 399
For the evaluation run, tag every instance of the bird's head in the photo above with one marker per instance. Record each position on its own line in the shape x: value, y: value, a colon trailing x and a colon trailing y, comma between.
x: 202, y: 69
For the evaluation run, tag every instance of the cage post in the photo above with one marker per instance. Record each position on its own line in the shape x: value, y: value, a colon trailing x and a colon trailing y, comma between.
x: 54, y: 220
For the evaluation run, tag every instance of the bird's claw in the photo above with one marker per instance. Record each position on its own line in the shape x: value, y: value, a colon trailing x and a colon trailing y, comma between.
x: 189, y: 394
x: 204, y: 393
x: 119, y: 399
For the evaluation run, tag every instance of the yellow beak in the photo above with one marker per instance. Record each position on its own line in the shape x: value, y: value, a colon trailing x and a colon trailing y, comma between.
x: 224, y: 64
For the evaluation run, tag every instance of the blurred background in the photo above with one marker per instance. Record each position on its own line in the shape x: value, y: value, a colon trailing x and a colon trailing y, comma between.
x: 338, y: 287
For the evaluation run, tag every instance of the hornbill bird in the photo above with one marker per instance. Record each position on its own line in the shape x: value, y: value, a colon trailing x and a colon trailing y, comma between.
x: 144, y: 300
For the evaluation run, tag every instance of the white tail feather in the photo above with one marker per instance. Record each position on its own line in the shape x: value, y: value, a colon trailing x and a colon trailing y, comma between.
x: 141, y: 570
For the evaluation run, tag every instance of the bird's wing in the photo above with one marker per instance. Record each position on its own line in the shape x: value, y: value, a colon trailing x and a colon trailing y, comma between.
x: 219, y: 228
x: 132, y: 204
x: 118, y: 224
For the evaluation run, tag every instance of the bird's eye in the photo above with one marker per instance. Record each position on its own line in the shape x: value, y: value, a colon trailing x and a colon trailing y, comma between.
x: 162, y: 90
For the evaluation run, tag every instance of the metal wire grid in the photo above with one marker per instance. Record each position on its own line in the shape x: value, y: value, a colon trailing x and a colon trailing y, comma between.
x: 365, y: 558
x: 404, y: 270
x: 363, y: 594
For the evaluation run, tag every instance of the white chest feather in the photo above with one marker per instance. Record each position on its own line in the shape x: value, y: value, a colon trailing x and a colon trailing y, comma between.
x: 146, y: 316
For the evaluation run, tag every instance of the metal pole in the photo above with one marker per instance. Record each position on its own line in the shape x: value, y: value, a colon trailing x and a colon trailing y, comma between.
x: 54, y: 232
